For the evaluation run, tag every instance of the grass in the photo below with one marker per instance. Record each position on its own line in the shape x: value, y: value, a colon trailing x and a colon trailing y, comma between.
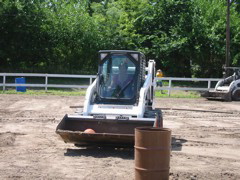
x: 177, y: 94
x: 69, y: 92
x: 49, y: 92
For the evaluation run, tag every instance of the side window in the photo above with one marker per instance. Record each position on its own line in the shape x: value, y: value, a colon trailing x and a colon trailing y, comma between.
x: 106, y: 72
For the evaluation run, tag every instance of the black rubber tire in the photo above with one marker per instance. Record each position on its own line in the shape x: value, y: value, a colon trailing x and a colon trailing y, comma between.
x: 236, y: 95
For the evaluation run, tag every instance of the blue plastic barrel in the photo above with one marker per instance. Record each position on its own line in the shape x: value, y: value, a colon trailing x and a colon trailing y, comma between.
x: 20, y: 80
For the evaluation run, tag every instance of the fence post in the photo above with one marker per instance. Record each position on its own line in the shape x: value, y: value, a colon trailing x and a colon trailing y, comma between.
x: 4, y: 82
x: 209, y: 84
x: 169, y: 86
x: 90, y: 81
x: 46, y: 82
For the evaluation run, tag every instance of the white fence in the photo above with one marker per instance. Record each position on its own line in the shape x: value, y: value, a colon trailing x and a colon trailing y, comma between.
x: 46, y: 85
x: 171, y: 79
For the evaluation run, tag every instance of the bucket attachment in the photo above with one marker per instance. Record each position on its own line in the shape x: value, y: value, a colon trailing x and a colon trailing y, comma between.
x: 217, y: 95
x: 108, y: 132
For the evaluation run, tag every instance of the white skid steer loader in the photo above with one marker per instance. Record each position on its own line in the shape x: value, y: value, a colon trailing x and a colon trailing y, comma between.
x: 227, y: 89
x: 120, y: 99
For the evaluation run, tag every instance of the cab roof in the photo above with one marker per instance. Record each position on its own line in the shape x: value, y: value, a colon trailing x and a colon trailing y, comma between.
x: 118, y: 51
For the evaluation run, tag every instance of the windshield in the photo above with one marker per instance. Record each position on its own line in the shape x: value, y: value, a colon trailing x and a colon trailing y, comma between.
x: 117, y: 76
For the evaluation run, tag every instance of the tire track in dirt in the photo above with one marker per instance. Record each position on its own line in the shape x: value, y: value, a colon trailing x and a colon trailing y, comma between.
x: 205, y: 145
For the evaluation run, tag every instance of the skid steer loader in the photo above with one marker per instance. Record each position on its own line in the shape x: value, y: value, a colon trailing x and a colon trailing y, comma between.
x: 120, y: 99
x: 227, y: 89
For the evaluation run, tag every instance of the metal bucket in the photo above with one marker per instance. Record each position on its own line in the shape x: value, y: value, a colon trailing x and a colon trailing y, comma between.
x: 152, y: 153
x: 118, y: 133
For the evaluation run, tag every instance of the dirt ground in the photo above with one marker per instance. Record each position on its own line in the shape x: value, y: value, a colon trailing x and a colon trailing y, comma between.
x: 205, y: 143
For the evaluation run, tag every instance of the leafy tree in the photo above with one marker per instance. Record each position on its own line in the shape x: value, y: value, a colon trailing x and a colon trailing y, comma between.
x: 185, y: 37
x: 21, y: 38
x: 165, y: 31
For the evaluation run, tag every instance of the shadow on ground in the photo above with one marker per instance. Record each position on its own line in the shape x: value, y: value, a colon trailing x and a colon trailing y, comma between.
x: 177, y: 143
x: 124, y: 153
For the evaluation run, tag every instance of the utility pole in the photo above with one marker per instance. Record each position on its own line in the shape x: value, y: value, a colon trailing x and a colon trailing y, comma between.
x: 227, y: 63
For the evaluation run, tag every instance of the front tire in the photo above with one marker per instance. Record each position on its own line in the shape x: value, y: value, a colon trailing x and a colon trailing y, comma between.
x: 236, y: 95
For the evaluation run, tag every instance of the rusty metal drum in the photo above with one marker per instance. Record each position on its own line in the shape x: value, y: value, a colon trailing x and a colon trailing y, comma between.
x: 152, y: 153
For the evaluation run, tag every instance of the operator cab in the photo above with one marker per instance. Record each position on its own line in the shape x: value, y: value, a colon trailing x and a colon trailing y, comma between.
x: 120, y: 73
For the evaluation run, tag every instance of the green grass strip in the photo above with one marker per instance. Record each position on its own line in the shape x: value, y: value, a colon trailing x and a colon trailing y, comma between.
x: 49, y: 92
x: 177, y: 94
x: 158, y: 93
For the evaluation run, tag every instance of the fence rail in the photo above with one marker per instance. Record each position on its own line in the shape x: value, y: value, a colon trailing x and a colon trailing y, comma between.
x: 171, y: 79
x: 46, y: 85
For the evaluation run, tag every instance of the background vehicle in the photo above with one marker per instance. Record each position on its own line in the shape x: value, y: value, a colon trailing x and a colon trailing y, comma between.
x: 227, y: 89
